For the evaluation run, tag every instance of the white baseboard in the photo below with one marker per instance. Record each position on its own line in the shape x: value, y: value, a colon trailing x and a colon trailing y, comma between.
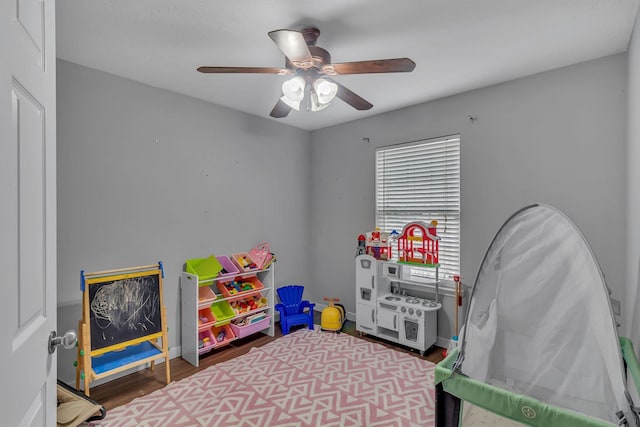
x: 440, y: 341
x: 320, y: 307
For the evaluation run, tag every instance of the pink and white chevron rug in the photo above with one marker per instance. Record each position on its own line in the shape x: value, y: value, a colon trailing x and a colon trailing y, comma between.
x: 306, y: 378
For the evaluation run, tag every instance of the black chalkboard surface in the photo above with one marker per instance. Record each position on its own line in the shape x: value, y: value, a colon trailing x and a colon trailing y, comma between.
x: 125, y: 309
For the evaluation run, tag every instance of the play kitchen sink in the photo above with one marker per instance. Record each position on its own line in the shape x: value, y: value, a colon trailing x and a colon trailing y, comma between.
x: 392, y: 298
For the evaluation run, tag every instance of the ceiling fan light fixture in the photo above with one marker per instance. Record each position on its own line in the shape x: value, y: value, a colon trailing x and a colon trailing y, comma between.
x: 325, y: 90
x: 293, y: 89
x: 293, y: 104
x: 316, y: 105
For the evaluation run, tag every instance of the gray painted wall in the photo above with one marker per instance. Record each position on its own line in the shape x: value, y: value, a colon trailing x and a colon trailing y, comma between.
x: 557, y: 138
x: 632, y: 306
x: 146, y: 175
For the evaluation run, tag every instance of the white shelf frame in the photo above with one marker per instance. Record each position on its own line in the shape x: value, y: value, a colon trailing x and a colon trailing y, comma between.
x: 189, y: 286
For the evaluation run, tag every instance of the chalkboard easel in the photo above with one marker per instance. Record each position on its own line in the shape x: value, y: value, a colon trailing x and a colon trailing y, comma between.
x: 123, y: 317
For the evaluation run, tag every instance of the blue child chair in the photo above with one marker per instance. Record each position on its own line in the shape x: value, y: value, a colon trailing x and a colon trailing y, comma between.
x: 293, y: 310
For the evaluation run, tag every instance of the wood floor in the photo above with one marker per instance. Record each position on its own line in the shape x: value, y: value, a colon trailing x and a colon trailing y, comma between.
x: 123, y: 390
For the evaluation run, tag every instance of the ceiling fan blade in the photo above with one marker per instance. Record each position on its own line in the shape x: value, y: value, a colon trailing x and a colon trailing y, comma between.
x: 351, y: 98
x: 255, y: 70
x: 280, y: 110
x: 294, y: 47
x: 397, y: 65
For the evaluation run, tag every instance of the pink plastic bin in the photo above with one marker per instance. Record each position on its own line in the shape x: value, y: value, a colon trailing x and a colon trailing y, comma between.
x: 228, y: 266
x: 228, y: 334
x: 244, y: 267
x: 205, y: 296
x: 205, y: 318
x: 243, y: 331
x: 206, y: 341
x: 252, y: 280
x: 248, y: 304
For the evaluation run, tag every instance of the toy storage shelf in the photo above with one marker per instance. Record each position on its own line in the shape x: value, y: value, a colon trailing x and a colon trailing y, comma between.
x: 201, y: 323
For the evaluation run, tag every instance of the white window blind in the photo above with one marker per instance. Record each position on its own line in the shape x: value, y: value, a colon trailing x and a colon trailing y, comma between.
x: 420, y: 181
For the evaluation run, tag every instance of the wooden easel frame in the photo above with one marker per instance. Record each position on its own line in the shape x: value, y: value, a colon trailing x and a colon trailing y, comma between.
x: 84, y: 367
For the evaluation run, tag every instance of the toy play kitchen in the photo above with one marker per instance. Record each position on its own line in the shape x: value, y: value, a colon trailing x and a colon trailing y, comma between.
x: 391, y: 302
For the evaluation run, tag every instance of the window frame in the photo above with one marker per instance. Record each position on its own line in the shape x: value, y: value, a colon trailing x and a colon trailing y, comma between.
x: 421, y: 186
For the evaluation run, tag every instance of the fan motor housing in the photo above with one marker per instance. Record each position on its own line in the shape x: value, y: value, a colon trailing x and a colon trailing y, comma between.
x: 310, y: 35
x: 320, y: 58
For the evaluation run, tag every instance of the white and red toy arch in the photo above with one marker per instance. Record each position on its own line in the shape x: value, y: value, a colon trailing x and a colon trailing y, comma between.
x: 418, y: 243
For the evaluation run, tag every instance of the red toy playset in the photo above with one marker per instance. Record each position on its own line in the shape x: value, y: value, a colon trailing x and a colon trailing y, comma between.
x: 418, y: 243
x: 376, y: 243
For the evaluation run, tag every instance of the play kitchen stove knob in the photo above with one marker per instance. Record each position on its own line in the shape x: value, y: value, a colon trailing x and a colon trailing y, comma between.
x: 403, y: 309
x: 419, y: 313
x: 411, y: 311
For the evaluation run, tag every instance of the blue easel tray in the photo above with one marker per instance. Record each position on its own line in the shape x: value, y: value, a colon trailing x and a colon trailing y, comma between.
x: 116, y: 359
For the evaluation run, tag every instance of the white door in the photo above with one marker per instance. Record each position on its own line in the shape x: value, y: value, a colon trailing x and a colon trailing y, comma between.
x: 27, y: 211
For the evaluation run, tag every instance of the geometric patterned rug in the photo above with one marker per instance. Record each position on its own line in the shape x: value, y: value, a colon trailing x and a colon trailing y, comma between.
x: 305, y: 378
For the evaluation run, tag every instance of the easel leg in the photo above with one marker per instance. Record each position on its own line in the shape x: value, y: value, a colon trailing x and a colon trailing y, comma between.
x: 86, y: 358
x: 165, y: 344
x: 78, y: 358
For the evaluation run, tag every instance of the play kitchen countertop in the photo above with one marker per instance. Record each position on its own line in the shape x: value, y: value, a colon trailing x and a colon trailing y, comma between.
x: 409, y: 302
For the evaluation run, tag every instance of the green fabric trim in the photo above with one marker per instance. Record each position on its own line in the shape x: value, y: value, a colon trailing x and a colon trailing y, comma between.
x: 630, y: 358
x: 418, y: 264
x: 517, y: 407
x: 444, y: 367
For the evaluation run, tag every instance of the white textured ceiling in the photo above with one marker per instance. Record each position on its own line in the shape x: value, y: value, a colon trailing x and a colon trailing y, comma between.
x: 457, y: 45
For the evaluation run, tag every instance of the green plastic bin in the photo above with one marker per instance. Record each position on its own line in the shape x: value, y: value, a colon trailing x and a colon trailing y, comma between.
x: 205, y: 268
x: 223, y: 312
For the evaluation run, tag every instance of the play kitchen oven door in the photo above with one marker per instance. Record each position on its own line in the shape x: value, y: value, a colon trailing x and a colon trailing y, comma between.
x: 412, y: 331
x: 388, y: 320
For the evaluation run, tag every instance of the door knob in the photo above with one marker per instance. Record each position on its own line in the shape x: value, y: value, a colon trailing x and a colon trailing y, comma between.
x: 68, y: 340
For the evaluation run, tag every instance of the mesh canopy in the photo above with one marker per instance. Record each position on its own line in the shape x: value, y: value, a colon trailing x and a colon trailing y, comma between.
x: 540, y: 322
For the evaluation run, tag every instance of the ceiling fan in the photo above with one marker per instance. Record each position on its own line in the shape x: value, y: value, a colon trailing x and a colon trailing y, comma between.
x: 310, y: 65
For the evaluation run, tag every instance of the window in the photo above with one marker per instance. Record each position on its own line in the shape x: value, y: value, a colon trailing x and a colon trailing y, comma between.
x: 420, y: 181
